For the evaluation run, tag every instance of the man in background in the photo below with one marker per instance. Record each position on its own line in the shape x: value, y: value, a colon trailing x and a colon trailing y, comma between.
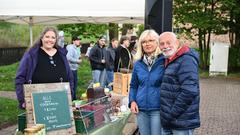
x: 97, y: 59
x: 73, y: 57
x: 89, y: 48
x: 110, y: 59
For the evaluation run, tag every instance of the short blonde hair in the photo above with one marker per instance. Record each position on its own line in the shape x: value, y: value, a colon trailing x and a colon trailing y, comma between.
x: 152, y: 33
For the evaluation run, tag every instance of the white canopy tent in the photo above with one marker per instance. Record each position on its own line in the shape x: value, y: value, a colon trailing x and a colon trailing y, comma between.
x: 34, y: 12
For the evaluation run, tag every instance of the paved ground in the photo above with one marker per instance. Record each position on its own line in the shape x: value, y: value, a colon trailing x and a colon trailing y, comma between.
x: 8, y: 94
x: 220, y: 108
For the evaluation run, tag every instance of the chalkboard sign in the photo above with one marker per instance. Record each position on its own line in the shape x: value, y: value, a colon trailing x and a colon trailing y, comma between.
x: 52, y: 109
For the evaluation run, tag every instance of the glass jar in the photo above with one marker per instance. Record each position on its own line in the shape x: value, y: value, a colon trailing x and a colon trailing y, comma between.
x: 30, y: 131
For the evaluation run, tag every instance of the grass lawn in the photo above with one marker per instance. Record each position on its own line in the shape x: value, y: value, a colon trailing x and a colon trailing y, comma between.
x: 205, y: 74
x: 8, y: 112
x: 234, y: 74
x: 84, y: 76
x: 7, y: 76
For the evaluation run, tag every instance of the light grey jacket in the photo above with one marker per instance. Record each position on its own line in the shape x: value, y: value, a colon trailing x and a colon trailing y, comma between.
x: 73, y: 56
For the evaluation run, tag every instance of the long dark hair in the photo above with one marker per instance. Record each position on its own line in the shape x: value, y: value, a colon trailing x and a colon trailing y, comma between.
x: 45, y: 30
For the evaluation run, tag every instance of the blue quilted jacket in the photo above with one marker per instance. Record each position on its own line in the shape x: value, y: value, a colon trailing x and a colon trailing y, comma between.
x: 145, y: 85
x: 180, y: 92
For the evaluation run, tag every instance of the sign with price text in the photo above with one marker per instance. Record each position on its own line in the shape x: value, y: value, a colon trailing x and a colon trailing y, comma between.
x: 52, y: 109
x: 50, y: 104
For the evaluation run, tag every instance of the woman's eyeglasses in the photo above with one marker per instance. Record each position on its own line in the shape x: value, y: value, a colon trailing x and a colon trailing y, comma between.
x: 144, y: 42
x: 52, y: 61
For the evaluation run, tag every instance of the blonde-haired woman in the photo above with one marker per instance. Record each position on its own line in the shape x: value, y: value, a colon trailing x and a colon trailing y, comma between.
x: 144, y: 96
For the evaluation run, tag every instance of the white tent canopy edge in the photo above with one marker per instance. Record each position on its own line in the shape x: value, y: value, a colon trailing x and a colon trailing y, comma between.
x: 34, y: 12
x: 72, y: 11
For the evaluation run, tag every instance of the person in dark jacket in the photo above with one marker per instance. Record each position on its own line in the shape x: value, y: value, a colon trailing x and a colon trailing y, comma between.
x: 180, y: 87
x: 97, y: 59
x: 123, y: 58
x: 110, y: 58
x: 144, y: 95
x: 44, y: 62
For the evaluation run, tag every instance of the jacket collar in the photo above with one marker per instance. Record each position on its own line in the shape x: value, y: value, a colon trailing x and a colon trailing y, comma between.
x: 184, y: 49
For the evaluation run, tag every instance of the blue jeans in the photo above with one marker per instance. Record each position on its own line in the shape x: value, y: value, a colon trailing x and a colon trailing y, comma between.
x: 177, y: 132
x: 109, y: 78
x: 149, y: 122
x: 75, y: 80
x: 99, y: 76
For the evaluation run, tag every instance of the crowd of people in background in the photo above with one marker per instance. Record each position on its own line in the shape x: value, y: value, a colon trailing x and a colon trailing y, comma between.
x: 107, y: 59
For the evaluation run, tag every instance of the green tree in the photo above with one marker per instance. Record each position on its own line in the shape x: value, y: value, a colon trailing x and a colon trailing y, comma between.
x: 140, y: 29
x: 125, y: 27
x: 113, y: 30
x: 199, y: 18
x: 84, y: 30
x: 231, y: 14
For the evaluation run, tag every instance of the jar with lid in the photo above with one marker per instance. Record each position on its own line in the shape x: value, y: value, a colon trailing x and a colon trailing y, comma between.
x: 30, y: 131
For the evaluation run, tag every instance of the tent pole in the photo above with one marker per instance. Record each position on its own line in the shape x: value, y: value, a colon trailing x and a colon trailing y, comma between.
x: 30, y: 30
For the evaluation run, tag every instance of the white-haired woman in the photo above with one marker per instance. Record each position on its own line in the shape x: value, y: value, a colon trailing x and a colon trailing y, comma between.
x: 144, y: 96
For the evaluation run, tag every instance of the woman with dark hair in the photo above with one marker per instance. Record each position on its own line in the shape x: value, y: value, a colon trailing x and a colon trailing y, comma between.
x: 44, y: 62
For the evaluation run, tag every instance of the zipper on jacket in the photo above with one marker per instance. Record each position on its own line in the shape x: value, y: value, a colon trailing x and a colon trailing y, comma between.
x: 147, y: 88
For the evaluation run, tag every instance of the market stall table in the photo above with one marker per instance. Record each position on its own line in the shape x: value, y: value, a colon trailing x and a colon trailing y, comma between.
x: 114, y: 127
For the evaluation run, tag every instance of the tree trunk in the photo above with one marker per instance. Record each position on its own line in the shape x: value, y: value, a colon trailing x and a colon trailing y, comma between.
x: 237, y: 40
x: 204, y: 51
x: 231, y: 37
x: 231, y: 30
x: 200, y: 48
x: 113, y: 31
x: 237, y: 32
x: 208, y: 48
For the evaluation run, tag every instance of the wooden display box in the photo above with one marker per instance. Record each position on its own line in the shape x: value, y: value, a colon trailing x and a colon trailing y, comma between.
x: 50, y: 104
x: 121, y: 83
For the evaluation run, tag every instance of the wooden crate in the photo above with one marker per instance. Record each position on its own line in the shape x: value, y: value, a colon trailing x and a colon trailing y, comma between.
x: 121, y: 83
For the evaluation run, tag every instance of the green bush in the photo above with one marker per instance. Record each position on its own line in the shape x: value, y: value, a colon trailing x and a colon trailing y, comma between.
x: 234, y: 59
